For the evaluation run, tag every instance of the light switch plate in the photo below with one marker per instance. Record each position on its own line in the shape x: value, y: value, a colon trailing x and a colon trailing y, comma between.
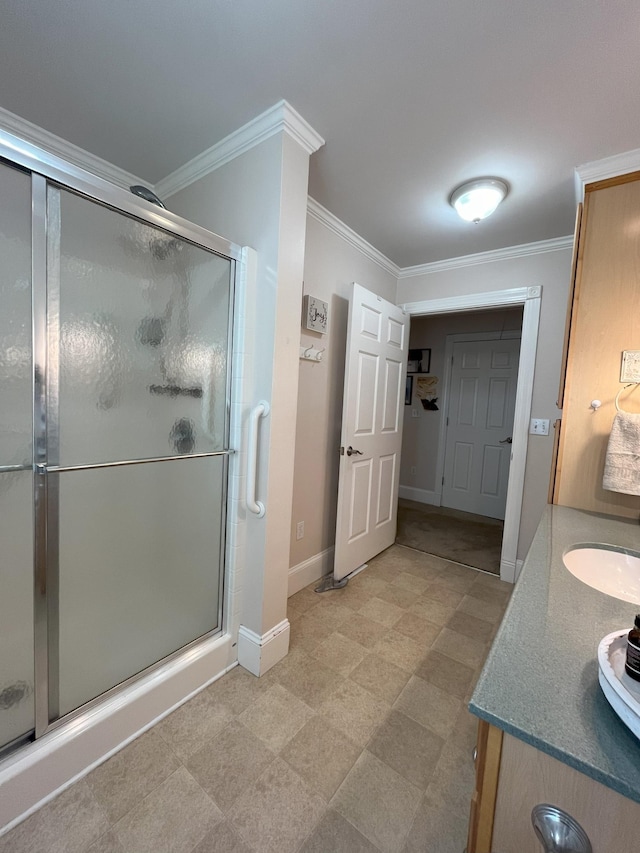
x: 539, y: 426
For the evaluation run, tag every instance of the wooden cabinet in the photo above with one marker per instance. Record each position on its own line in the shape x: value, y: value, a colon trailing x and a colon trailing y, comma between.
x: 513, y: 777
x: 604, y: 320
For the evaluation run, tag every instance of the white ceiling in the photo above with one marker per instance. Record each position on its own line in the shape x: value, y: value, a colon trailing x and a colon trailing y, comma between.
x: 412, y: 97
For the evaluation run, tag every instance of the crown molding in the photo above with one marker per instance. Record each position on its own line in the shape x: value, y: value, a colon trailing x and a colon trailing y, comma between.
x: 66, y: 150
x: 337, y: 226
x: 511, y: 252
x: 608, y: 167
x: 281, y: 117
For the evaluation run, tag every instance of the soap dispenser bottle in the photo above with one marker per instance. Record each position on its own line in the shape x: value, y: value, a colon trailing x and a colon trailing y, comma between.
x: 632, y: 664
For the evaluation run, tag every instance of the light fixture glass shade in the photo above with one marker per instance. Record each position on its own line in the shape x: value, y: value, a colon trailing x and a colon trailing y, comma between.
x: 475, y: 200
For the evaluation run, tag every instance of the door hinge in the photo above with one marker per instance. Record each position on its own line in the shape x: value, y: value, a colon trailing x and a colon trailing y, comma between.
x: 447, y: 421
x: 342, y: 451
x: 443, y: 480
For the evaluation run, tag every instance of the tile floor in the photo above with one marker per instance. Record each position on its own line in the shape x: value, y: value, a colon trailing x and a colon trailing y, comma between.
x: 359, y: 741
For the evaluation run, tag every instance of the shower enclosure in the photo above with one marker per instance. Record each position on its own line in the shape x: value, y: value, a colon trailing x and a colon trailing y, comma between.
x: 115, y: 342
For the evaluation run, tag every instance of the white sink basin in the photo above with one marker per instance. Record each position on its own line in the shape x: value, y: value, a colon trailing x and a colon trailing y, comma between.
x: 614, y: 571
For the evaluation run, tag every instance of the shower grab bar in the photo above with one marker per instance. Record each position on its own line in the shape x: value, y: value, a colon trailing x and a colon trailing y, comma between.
x: 62, y: 469
x: 260, y: 411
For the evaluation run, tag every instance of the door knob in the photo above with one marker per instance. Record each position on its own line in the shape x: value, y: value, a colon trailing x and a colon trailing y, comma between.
x: 352, y: 452
x: 506, y: 440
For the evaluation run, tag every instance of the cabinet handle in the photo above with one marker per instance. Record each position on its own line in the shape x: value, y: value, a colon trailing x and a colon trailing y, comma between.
x: 558, y: 832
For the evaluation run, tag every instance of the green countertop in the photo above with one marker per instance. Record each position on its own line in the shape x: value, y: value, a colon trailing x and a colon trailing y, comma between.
x: 540, y: 680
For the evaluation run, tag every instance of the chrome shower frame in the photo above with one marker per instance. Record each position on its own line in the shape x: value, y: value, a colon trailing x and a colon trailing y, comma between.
x: 47, y: 169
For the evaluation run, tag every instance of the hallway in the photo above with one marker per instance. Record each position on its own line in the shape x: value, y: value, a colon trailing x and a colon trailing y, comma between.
x: 359, y: 741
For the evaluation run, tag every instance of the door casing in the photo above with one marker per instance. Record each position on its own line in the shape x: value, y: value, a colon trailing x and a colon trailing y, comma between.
x: 530, y: 298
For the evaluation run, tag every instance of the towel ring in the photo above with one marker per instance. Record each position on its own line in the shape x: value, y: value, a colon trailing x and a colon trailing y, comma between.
x: 624, y: 388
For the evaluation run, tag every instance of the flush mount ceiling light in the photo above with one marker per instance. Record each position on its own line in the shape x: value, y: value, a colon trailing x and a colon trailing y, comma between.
x: 475, y: 200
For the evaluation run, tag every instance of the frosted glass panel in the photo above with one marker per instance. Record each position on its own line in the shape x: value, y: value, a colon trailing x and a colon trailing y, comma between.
x: 143, y: 337
x: 139, y: 568
x: 16, y: 606
x: 15, y: 317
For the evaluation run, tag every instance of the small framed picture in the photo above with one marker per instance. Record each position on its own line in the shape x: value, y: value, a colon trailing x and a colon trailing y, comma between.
x: 419, y: 361
x: 408, y: 391
x: 315, y: 314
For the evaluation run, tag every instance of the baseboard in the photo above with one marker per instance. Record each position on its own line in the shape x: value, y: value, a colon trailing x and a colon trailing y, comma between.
x: 259, y: 653
x: 510, y: 571
x: 423, y: 496
x: 310, y: 570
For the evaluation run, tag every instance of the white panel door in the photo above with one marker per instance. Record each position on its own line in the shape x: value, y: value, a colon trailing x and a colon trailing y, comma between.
x: 482, y: 402
x: 373, y: 408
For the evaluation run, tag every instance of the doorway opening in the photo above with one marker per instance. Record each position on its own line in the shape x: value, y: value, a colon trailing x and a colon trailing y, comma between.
x: 466, y: 427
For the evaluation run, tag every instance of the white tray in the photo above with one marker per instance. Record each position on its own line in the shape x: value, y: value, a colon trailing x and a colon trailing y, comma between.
x: 622, y: 692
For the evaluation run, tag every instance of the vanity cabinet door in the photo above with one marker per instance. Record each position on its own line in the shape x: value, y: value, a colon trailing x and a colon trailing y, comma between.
x: 529, y: 777
x: 604, y: 322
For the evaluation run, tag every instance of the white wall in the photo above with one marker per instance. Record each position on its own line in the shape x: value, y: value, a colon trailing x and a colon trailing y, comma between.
x: 551, y: 270
x: 331, y: 265
x: 260, y: 199
x: 421, y: 435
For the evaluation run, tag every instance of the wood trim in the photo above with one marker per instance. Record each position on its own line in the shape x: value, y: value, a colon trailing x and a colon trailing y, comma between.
x: 572, y: 287
x: 612, y: 182
x: 483, y: 803
x: 555, y: 457
x: 572, y: 313
x: 602, y: 325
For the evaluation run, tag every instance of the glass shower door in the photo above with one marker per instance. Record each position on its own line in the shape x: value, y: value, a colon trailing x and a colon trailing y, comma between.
x: 16, y: 460
x: 137, y: 444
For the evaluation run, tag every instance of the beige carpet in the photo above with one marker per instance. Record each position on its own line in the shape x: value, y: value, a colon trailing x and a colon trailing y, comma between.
x: 460, y: 536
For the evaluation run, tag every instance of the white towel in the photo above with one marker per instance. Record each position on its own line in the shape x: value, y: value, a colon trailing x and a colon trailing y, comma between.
x: 622, y: 463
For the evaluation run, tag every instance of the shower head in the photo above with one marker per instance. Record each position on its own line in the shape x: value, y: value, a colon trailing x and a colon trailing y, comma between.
x: 147, y: 194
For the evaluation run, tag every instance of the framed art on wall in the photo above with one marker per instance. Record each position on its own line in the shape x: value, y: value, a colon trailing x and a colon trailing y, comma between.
x: 419, y: 361
x: 408, y: 391
x: 315, y: 314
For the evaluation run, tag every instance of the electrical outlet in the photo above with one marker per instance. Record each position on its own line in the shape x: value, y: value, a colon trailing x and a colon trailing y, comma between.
x: 414, y: 470
x: 300, y: 530
x: 539, y: 426
x: 415, y: 413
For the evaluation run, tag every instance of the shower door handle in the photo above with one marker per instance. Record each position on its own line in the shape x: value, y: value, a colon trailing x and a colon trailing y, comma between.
x: 260, y: 411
